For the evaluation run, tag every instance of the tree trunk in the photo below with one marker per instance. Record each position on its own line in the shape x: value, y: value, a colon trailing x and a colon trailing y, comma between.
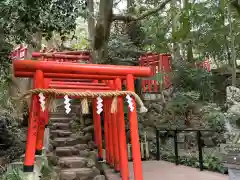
x: 233, y: 51
x: 190, y: 52
x: 176, y: 49
x: 187, y: 30
x: 102, y: 30
x: 91, y: 26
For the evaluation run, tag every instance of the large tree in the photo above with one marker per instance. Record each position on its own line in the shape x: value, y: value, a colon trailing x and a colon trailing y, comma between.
x: 103, y: 25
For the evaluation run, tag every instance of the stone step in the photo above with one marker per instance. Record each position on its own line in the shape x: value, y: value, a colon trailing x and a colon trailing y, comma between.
x: 79, y: 173
x: 62, y: 126
x: 60, y: 133
x: 72, y: 162
x: 60, y: 119
x: 71, y: 150
x: 63, y: 113
x: 70, y: 141
x: 61, y: 116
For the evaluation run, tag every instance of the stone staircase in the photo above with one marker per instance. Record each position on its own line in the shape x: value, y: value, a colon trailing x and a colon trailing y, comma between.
x: 74, y: 152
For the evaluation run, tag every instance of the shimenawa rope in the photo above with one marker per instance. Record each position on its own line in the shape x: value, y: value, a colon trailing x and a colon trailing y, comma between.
x: 52, y: 93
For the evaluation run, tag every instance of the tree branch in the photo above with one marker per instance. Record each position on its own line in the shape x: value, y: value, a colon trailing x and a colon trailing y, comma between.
x: 141, y: 16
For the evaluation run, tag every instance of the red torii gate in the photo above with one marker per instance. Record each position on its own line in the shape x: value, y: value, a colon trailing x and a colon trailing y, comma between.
x: 40, y: 70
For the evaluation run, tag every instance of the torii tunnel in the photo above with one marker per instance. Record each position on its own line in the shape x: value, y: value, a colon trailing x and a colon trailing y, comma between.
x: 75, y: 77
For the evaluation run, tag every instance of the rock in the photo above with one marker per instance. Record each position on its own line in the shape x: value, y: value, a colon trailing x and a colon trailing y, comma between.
x: 91, y: 145
x: 60, y: 120
x: 93, y: 155
x: 84, y: 153
x: 81, y: 146
x: 191, y: 138
x: 86, y: 176
x: 79, y: 173
x: 52, y: 159
x: 233, y: 94
x: 72, y: 162
x: 66, y: 151
x: 88, y: 137
x: 99, y: 177
x: 78, y: 134
x: 62, y: 126
x: 157, y: 107
x: 208, y: 142
x: 2, y: 160
x: 68, y: 174
x: 57, y: 169
x: 233, y: 112
x: 68, y: 141
x: 88, y: 129
x: 60, y: 133
x: 88, y: 121
x: 207, y: 134
x: 91, y: 163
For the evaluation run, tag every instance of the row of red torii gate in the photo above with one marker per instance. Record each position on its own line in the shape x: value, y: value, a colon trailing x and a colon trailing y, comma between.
x: 64, y: 76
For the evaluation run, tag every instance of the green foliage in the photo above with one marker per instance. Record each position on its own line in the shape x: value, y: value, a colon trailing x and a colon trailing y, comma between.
x: 204, y: 23
x: 214, y: 117
x: 24, y: 18
x: 122, y: 50
x: 14, y: 174
x: 81, y: 44
x: 211, y: 161
x: 180, y: 103
x: 156, y: 28
x: 47, y: 171
x: 214, y: 163
x: 4, y: 96
x: 186, y: 78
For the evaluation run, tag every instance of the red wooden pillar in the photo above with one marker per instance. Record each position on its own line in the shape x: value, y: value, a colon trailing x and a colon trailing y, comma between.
x: 132, y: 116
x: 98, y: 131
x: 46, y: 117
x: 43, y: 122
x: 33, y: 125
x: 106, y: 130
x: 40, y: 134
x: 110, y: 134
x: 94, y: 120
x: 115, y: 135
x: 115, y: 143
x: 122, y: 135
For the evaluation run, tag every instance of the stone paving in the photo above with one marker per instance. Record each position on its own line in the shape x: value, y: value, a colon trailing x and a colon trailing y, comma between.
x: 161, y: 170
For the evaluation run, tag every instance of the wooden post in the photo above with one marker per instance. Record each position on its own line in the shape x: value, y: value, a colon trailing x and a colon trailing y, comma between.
x: 115, y: 135
x: 132, y: 116
x: 33, y: 126
x: 111, y: 149
x: 106, y: 129
x: 122, y: 135
x: 98, y: 131
x: 43, y: 121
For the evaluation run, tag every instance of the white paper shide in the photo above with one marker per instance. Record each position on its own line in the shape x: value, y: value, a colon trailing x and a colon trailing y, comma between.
x: 42, y: 101
x: 67, y: 104
x: 99, y: 105
x: 130, y: 103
